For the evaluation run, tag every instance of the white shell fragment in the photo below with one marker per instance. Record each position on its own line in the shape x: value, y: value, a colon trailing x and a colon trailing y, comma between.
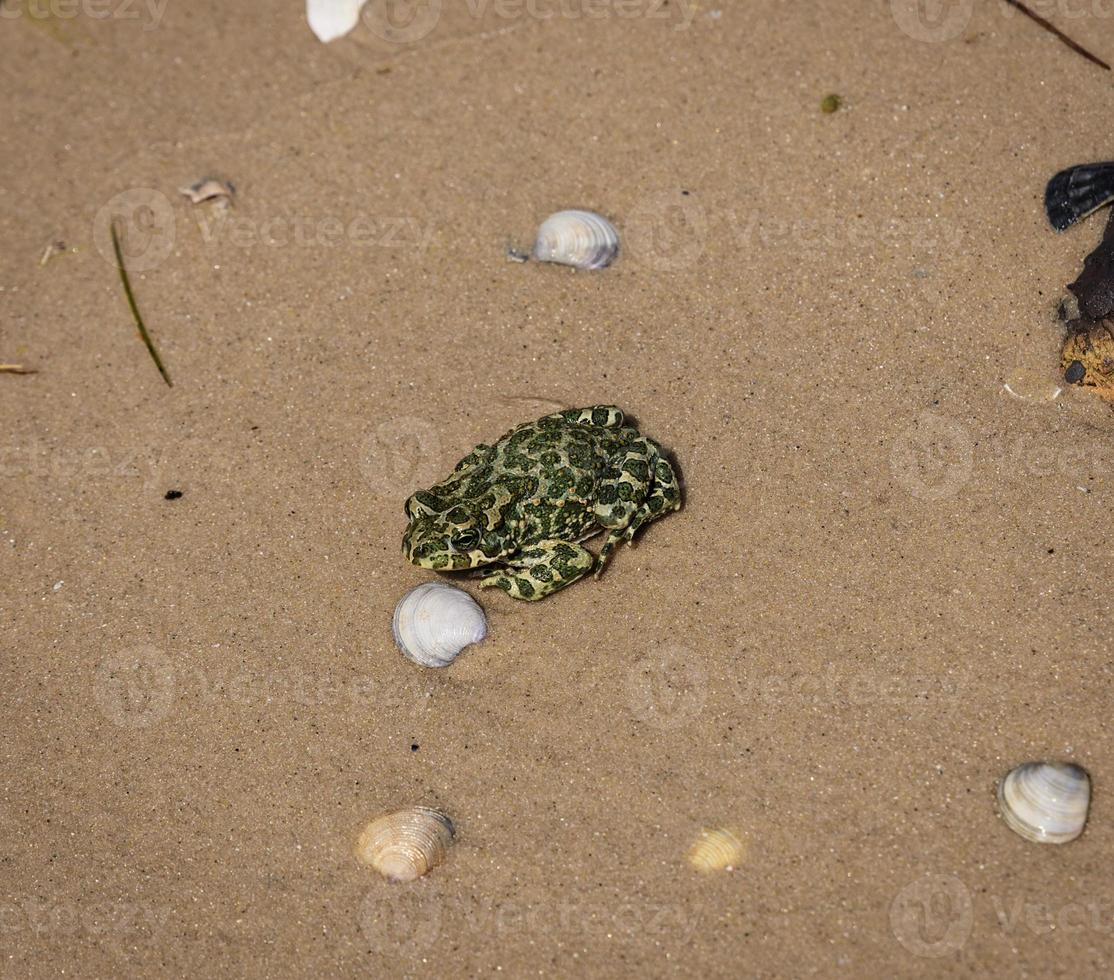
x: 434, y: 622
x: 330, y: 19
x: 582, y: 239
x: 208, y: 189
x: 406, y: 844
x: 1045, y: 802
x: 717, y: 850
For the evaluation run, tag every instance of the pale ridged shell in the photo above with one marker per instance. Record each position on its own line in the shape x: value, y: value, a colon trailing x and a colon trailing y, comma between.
x: 407, y: 844
x: 434, y: 622
x: 1045, y: 802
x: 582, y: 239
x: 209, y: 189
x: 718, y: 850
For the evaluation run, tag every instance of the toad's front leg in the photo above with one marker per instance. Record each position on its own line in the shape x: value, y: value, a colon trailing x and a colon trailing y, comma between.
x: 541, y: 569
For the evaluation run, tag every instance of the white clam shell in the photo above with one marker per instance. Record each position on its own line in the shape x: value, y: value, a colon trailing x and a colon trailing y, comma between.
x: 330, y: 19
x: 721, y: 849
x: 435, y: 621
x: 582, y: 239
x: 406, y: 844
x: 1046, y: 802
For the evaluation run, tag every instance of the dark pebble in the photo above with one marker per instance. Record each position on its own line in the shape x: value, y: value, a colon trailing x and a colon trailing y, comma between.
x: 173, y: 494
x: 1074, y: 374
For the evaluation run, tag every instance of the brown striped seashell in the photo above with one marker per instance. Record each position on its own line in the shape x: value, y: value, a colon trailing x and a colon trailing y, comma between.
x: 407, y: 844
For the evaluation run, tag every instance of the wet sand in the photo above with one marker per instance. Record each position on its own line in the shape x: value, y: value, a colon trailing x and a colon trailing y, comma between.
x: 887, y: 587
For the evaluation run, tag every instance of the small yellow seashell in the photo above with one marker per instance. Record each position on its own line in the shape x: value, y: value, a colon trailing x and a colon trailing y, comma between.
x: 721, y: 849
x: 406, y: 844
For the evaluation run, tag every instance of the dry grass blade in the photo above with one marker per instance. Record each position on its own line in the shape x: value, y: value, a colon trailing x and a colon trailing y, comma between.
x: 1055, y: 31
x: 134, y: 308
x: 16, y: 369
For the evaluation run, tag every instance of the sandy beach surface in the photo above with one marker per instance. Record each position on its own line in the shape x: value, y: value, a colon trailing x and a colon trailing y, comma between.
x: 888, y: 585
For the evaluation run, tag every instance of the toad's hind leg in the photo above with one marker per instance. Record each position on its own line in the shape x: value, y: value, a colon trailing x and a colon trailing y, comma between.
x: 541, y: 569
x: 643, y: 488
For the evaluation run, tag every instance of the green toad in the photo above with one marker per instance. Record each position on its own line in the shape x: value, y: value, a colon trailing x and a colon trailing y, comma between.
x: 524, y: 505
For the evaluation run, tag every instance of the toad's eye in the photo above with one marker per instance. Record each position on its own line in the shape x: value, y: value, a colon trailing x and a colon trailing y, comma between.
x: 463, y: 540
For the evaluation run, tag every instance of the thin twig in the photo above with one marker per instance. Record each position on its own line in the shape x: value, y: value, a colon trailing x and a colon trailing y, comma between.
x: 16, y: 369
x: 51, y: 250
x: 1077, y: 48
x: 135, y: 309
